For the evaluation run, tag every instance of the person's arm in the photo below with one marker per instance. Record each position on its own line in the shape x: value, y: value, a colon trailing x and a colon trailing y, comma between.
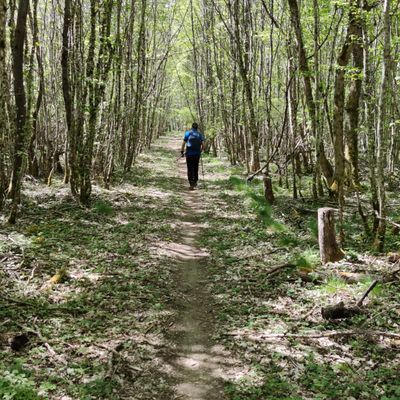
x: 183, y: 148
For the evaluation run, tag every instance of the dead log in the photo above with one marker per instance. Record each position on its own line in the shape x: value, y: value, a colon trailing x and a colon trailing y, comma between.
x: 328, y: 246
x: 19, y: 342
x: 391, y: 276
x: 314, y: 335
x: 339, y: 311
x: 311, y: 277
x: 394, y: 257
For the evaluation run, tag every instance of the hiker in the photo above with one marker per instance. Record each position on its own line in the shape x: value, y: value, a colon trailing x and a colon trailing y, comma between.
x: 193, y: 141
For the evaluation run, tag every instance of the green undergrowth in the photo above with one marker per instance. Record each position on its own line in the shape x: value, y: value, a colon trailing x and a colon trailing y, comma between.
x: 116, y: 289
x: 247, y: 238
x: 111, y: 309
x: 17, y: 383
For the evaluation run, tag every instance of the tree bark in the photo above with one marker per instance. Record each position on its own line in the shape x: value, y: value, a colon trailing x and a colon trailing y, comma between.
x: 353, y: 99
x: 3, y: 88
x: 20, y: 139
x: 268, y: 189
x: 70, y: 166
x: 243, y: 64
x: 134, y: 132
x: 382, y: 128
x: 328, y: 246
x: 324, y: 163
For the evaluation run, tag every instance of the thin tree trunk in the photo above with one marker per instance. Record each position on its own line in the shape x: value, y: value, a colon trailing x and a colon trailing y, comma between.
x: 382, y: 127
x: 134, y: 133
x: 21, y: 134
x: 353, y: 99
x: 3, y: 90
x: 311, y: 107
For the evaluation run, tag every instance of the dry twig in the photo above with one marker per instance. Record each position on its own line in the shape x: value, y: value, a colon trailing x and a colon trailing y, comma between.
x: 279, y: 267
x: 317, y: 335
x: 364, y: 296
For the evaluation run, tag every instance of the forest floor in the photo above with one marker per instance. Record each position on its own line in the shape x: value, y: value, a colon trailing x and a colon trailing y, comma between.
x: 169, y: 294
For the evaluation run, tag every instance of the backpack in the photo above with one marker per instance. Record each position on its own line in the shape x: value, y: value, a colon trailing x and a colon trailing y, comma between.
x: 194, y: 141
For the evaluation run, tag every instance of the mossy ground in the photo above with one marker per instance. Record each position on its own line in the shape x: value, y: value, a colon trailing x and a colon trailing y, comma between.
x: 107, y: 321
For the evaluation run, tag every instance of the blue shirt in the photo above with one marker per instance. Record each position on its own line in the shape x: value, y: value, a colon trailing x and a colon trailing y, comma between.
x: 193, y: 139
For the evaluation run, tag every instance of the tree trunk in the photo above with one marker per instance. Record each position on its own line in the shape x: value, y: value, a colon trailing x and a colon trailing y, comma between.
x: 70, y: 149
x: 134, y: 132
x: 353, y: 100
x: 328, y: 246
x: 382, y: 129
x: 324, y: 163
x: 243, y: 63
x: 19, y: 157
x: 3, y: 88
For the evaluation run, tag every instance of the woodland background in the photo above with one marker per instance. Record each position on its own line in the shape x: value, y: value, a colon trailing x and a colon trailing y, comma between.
x: 308, y: 87
x: 299, y: 102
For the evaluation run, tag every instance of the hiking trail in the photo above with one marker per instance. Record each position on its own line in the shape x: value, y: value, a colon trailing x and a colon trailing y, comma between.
x: 200, y: 365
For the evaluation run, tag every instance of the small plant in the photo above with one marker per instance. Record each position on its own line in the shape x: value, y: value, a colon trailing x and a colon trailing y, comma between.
x: 16, y: 384
x: 99, y: 389
x: 103, y: 208
x: 334, y: 285
x: 308, y: 259
x: 273, y: 387
x: 288, y: 240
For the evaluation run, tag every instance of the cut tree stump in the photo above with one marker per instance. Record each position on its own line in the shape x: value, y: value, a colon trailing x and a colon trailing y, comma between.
x: 328, y: 246
x: 268, y: 190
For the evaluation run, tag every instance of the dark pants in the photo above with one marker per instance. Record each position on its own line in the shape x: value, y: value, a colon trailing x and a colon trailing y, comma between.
x: 193, y: 169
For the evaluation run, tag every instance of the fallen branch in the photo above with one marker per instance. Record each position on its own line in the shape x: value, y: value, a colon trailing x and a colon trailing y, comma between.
x: 20, y: 302
x: 273, y: 251
x: 386, y: 220
x: 5, y: 322
x: 351, y: 277
x: 390, y: 276
x: 119, y: 355
x: 302, y: 210
x: 364, y: 296
x: 31, y: 275
x: 318, y: 335
x: 279, y: 267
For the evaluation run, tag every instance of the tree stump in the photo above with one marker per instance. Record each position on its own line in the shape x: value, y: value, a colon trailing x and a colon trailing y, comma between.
x: 339, y: 311
x: 328, y: 246
x: 268, y: 190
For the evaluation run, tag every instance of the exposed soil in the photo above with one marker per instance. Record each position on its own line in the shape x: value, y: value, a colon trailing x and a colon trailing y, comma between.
x: 200, y: 364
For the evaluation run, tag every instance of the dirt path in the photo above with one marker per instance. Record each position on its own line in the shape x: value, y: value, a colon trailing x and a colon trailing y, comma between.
x: 200, y: 366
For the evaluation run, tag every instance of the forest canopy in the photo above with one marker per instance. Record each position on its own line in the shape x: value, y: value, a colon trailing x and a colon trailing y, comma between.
x: 299, y: 88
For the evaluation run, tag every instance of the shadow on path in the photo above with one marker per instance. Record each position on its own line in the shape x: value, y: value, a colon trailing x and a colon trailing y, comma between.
x: 200, y: 366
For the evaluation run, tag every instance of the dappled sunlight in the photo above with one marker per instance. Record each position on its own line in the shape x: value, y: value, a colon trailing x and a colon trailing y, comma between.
x: 169, y: 289
x: 179, y: 251
x: 157, y: 194
x: 219, y: 364
x: 14, y: 238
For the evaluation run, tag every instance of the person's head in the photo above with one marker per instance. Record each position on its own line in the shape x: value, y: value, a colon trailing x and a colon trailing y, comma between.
x: 195, y: 125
